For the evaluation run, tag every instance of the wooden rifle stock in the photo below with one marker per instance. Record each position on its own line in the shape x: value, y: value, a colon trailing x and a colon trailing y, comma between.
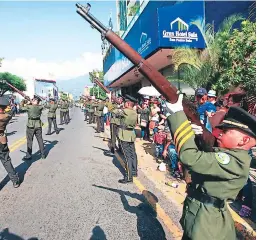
x: 169, y: 91
x: 101, y: 85
x: 14, y: 88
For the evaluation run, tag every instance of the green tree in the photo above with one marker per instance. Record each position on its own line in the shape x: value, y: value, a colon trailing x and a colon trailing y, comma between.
x: 237, y: 60
x: 14, y: 80
x: 96, y: 89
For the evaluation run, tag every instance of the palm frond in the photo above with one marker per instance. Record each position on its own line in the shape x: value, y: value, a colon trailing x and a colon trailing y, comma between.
x: 227, y: 24
x: 185, y: 56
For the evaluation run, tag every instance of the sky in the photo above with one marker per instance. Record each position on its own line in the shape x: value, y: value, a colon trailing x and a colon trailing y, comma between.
x: 49, y: 39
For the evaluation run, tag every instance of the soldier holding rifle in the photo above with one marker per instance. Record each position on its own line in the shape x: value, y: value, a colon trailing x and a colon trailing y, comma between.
x: 127, y: 138
x: 34, y: 125
x: 52, y: 106
x: 62, y: 112
x: 218, y: 173
x: 217, y: 176
x: 4, y: 150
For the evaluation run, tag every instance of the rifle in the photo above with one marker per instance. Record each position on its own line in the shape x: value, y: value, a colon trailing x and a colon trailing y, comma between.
x: 101, y: 85
x: 14, y: 88
x: 169, y: 91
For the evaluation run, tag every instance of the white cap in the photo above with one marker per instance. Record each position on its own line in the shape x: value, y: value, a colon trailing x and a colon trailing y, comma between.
x: 212, y: 93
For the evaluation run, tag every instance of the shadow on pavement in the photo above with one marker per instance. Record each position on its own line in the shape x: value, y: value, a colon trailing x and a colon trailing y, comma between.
x: 148, y: 226
x: 5, y: 234
x: 24, y: 166
x: 10, y: 133
x: 149, y: 148
x: 115, y: 161
x: 98, y: 234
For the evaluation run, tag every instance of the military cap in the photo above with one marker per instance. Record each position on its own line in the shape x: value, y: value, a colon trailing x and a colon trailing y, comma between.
x: 51, y: 99
x: 122, y: 97
x: 238, y: 118
x: 36, y: 97
x: 130, y: 98
x: 4, y: 101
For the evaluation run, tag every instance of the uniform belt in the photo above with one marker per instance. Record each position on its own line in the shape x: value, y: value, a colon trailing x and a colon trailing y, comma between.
x: 34, y: 118
x: 125, y: 128
x: 207, y: 199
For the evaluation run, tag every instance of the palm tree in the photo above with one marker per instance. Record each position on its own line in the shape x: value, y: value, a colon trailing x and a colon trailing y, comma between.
x: 201, y: 67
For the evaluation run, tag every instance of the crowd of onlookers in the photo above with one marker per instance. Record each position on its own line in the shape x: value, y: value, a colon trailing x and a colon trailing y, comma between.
x: 152, y: 117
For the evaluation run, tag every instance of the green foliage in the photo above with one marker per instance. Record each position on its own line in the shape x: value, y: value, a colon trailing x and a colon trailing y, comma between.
x: 95, y: 89
x: 94, y: 73
x: 94, y: 92
x: 13, y: 80
x: 238, y: 60
x: 134, y: 9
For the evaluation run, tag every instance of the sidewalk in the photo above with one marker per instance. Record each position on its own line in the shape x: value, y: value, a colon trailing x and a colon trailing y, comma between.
x: 246, y: 229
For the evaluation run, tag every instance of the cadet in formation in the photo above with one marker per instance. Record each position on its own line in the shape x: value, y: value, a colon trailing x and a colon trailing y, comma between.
x: 127, y: 137
x: 62, y: 111
x: 52, y: 106
x: 99, y: 116
x: 34, y: 126
x: 114, y: 123
x: 4, y: 150
x: 217, y: 176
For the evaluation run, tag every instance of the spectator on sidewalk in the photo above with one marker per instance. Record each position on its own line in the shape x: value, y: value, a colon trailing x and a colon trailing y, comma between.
x: 159, y: 141
x: 170, y: 153
x: 154, y: 114
x: 144, y: 121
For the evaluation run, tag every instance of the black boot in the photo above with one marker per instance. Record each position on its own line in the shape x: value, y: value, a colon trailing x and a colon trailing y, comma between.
x: 112, y: 150
x: 57, y: 131
x: 48, y: 133
x: 27, y: 157
x: 125, y: 180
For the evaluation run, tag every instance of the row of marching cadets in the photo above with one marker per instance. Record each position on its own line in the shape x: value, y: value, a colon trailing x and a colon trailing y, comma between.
x: 34, y: 128
x: 123, y: 119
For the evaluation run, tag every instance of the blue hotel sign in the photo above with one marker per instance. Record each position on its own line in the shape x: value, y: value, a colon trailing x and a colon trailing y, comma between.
x: 158, y: 27
x: 176, y: 25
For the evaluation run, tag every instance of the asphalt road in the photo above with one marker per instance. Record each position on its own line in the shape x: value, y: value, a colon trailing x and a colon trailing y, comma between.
x: 74, y: 193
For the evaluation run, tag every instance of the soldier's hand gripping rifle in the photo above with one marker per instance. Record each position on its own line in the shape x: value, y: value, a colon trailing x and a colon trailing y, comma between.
x: 157, y: 79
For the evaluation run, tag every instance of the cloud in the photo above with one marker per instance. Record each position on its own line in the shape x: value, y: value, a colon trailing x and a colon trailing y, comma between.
x: 33, y: 68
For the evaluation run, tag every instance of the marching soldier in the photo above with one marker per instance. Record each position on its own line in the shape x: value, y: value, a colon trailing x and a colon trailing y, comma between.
x: 114, y: 123
x: 90, y: 111
x: 86, y: 109
x: 66, y: 111
x: 127, y: 138
x: 4, y: 150
x: 52, y: 116
x: 217, y: 176
x: 99, y: 116
x: 34, y: 126
x: 62, y: 112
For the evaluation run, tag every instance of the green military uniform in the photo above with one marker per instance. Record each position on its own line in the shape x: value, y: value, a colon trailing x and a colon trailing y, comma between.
x: 217, y: 176
x: 66, y: 112
x: 94, y: 105
x: 86, y: 110
x: 90, y: 106
x: 113, y: 126
x: 99, y: 117
x: 51, y: 115
x: 34, y: 127
x: 62, y: 112
x: 127, y: 137
x: 4, y: 150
